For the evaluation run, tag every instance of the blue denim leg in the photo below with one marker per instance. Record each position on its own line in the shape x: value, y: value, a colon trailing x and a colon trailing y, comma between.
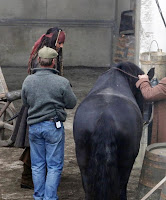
x: 47, y: 149
x: 38, y: 160
x: 55, y: 160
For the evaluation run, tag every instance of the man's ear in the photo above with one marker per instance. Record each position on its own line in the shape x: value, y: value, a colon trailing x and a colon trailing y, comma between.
x: 53, y: 61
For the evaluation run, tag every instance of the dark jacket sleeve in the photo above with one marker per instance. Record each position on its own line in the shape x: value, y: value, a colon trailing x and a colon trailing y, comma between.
x: 23, y: 96
x: 156, y: 93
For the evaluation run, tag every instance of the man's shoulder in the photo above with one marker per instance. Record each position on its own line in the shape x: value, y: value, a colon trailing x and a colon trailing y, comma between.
x: 29, y: 77
x: 62, y: 78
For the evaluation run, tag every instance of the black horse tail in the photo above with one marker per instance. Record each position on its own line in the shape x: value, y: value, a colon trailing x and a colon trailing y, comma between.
x: 104, y: 167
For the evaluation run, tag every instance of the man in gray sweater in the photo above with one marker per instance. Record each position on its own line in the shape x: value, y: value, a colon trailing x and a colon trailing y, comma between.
x: 47, y: 95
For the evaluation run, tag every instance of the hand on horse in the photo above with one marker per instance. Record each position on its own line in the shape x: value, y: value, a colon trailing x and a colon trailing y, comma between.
x: 143, y: 76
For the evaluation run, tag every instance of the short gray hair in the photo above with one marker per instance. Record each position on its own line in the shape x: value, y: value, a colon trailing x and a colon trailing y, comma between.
x: 45, y: 61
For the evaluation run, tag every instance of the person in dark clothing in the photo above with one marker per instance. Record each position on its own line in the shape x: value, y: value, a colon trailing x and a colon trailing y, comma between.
x: 54, y: 38
x: 46, y: 95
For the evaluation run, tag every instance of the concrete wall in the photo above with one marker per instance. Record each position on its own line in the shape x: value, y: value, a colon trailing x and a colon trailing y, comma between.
x: 90, y: 26
x: 122, y: 6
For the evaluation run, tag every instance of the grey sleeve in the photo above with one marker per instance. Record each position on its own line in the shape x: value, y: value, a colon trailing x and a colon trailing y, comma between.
x: 70, y: 99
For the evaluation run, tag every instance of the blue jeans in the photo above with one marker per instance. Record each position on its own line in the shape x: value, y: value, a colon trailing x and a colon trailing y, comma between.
x: 47, y: 152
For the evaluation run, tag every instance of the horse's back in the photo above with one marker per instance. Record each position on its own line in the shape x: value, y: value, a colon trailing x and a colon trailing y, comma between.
x: 122, y: 109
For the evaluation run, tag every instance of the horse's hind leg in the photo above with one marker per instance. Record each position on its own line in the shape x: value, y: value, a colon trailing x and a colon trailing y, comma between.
x: 86, y: 186
x: 82, y: 155
x: 124, y: 177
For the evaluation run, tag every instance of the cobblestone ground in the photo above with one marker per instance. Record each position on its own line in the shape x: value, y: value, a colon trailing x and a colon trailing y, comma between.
x: 82, y: 80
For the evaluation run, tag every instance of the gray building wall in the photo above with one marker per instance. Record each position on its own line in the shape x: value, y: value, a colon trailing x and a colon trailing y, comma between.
x: 90, y: 27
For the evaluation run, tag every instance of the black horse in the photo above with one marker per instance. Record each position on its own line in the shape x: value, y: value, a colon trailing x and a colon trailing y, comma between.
x: 107, y: 131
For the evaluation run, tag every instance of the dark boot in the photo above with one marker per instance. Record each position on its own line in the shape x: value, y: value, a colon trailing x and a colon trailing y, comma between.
x: 26, y: 180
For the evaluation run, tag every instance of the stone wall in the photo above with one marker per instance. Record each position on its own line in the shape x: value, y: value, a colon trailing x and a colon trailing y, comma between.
x: 125, y: 49
x: 125, y: 45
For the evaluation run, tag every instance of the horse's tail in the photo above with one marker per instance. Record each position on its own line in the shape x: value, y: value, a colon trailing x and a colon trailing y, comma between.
x: 104, y: 166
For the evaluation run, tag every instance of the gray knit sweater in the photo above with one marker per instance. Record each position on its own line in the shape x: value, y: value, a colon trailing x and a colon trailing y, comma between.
x: 47, y: 95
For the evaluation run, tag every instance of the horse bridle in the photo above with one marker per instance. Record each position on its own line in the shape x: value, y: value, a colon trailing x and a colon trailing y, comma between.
x: 126, y: 72
x: 145, y: 124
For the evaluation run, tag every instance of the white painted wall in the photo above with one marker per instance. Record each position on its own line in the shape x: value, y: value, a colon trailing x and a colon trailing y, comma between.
x: 150, y: 26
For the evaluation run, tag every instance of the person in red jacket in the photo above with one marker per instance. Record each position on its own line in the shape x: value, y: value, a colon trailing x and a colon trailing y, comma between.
x: 156, y: 94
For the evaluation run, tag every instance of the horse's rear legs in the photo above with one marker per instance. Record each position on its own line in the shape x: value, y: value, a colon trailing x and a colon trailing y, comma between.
x: 123, y: 192
x: 124, y: 177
